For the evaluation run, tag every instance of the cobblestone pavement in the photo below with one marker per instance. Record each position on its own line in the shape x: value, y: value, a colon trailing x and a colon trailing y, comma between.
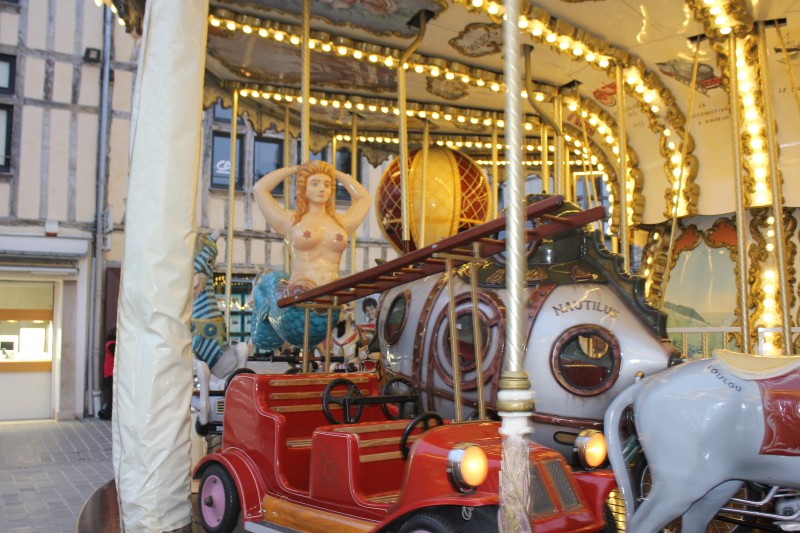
x: 47, y: 471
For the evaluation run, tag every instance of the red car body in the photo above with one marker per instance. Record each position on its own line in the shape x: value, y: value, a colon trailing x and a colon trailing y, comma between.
x: 295, y: 470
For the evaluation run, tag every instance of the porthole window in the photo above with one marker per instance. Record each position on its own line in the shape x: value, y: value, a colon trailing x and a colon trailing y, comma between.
x: 492, y: 324
x: 396, y: 317
x: 586, y: 360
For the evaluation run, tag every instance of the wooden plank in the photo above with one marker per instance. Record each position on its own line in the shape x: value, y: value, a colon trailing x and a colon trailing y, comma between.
x: 372, y: 428
x: 384, y: 498
x: 375, y: 457
x: 26, y: 366
x: 387, y: 441
x: 298, y: 443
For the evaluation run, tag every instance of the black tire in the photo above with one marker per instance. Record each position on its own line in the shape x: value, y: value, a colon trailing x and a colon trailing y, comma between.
x: 236, y: 373
x: 427, y: 523
x: 399, y: 385
x: 218, y: 500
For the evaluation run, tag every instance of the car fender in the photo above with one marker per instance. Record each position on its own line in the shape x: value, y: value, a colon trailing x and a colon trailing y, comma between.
x: 248, y: 480
x: 596, y: 485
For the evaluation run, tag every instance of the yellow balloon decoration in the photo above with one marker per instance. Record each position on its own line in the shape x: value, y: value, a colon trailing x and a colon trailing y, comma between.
x: 453, y: 195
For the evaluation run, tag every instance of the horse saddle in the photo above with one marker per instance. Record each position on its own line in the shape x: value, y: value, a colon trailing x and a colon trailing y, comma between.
x: 751, y: 367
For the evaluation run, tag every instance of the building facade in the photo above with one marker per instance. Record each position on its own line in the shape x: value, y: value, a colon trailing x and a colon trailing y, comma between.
x: 67, y: 76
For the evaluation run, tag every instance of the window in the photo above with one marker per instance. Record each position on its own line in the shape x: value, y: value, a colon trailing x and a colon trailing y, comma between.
x: 6, y: 112
x: 221, y: 161
x: 586, y: 360
x: 7, y: 75
x: 396, y: 317
x: 268, y: 156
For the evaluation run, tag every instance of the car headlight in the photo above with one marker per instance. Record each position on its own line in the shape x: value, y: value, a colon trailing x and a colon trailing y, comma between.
x: 590, y: 447
x: 467, y: 466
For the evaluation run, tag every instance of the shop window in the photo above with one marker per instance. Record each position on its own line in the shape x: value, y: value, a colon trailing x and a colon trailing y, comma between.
x: 221, y: 161
x: 586, y: 360
x: 396, y: 317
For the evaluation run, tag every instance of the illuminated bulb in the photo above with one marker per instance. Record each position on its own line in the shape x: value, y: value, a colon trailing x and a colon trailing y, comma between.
x: 522, y: 23
x: 479, y: 82
x: 342, y: 51
x: 419, y: 69
x: 373, y: 58
x: 348, y: 104
x: 231, y: 25
x: 323, y: 102
x: 449, y: 76
x: 551, y: 38
x: 725, y: 30
x: 336, y: 104
x: 577, y: 51
x: 493, y: 9
x: 563, y: 45
x: 279, y: 36
x: 435, y: 72
x: 590, y: 57
x: 295, y: 40
x: 603, y: 63
x: 572, y: 106
x: 372, y: 107
x: 247, y: 29
x: 536, y: 31
x: 477, y: 3
x: 389, y: 62
x: 326, y: 47
x: 465, y: 78
x: 358, y: 54
x: 539, y: 97
x: 215, y: 22
x: 495, y: 86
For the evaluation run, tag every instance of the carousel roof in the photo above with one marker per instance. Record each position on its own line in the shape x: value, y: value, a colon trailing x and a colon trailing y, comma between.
x: 455, y: 79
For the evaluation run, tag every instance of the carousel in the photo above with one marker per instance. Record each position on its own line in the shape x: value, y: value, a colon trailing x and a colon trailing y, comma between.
x: 578, y: 207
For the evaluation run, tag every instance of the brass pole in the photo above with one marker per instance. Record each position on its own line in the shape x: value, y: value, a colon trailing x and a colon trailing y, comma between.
x: 426, y: 131
x: 306, y: 333
x: 354, y: 174
x: 287, y: 155
x: 544, y: 138
x: 495, y: 174
x: 788, y: 64
x: 741, y: 224
x: 454, y: 356
x: 477, y: 335
x: 559, y: 182
x: 231, y: 219
x: 305, y: 85
x: 623, y: 168
x: 401, y: 90
x: 777, y: 189
x: 679, y: 193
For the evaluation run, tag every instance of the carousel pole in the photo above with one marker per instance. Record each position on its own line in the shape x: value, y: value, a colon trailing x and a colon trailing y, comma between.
x: 679, y: 193
x: 495, y: 174
x: 153, y: 372
x: 305, y: 138
x: 559, y: 181
x: 287, y: 155
x: 305, y: 84
x: 354, y: 173
x: 741, y: 226
x: 777, y: 190
x: 514, y: 397
x: 424, y: 177
x: 622, y: 168
x: 231, y: 207
x: 401, y: 90
x: 544, y: 139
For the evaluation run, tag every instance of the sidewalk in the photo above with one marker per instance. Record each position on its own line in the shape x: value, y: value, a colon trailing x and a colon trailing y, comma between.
x: 48, y: 470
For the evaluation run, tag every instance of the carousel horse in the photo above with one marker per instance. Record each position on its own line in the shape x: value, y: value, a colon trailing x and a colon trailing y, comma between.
x: 214, y: 358
x: 348, y: 341
x: 705, y: 427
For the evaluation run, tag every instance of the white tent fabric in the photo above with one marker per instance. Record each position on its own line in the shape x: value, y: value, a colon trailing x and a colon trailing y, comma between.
x: 153, y: 373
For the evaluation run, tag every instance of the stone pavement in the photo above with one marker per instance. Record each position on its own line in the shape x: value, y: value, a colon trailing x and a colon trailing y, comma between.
x: 48, y: 469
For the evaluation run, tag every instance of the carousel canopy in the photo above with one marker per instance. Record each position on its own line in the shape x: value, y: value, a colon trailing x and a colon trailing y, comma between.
x: 576, y: 53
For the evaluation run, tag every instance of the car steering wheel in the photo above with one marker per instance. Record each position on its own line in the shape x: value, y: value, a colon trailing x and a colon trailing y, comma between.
x: 403, y: 409
x: 350, y: 413
x: 423, y: 419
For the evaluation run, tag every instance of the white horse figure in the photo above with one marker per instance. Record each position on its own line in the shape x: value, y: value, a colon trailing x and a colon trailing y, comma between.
x: 347, y: 342
x: 705, y: 427
x: 214, y: 358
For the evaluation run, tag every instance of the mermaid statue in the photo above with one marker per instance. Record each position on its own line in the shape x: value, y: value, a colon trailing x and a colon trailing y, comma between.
x: 317, y: 237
